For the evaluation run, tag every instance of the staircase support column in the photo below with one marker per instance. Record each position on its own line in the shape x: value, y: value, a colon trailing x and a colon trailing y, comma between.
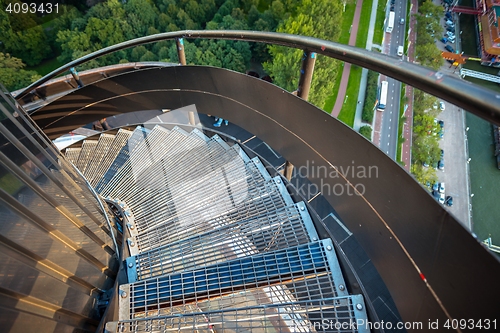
x: 180, y: 51
x: 306, y: 74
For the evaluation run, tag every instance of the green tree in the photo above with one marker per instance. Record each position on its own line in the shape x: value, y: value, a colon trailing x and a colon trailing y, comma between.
x: 12, y: 74
x: 313, y: 18
x: 366, y: 131
x: 429, y: 56
x: 141, y: 15
x: 424, y: 175
x: 22, y: 37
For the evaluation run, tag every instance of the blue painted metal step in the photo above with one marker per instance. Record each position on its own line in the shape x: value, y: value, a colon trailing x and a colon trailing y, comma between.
x: 296, y: 273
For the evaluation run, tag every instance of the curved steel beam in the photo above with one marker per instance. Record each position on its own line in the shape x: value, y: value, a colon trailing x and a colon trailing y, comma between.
x: 478, y: 100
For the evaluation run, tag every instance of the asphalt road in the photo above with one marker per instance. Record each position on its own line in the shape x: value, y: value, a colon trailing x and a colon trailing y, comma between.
x: 390, y: 117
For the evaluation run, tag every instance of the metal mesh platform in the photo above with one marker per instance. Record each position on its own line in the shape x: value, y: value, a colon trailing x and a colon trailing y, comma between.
x: 306, y: 272
x: 88, y: 147
x: 289, y: 226
x: 343, y: 314
x: 135, y: 139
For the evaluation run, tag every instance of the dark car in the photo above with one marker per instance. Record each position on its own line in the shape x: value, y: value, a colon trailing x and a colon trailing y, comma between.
x: 449, y: 49
x: 442, y: 153
x: 441, y: 123
x: 448, y: 201
x: 450, y: 29
x: 441, y: 164
x: 448, y: 15
x: 444, y: 40
x: 392, y: 8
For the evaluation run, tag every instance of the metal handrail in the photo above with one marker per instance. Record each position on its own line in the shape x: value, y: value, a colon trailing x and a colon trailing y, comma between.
x: 473, y: 98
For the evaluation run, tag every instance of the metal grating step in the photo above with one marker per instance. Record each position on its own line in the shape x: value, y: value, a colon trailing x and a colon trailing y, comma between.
x: 119, y: 142
x: 222, y: 189
x: 180, y: 189
x: 135, y: 139
x: 281, y: 229
x: 128, y: 177
x: 305, y: 272
x: 182, y: 166
x: 103, y: 144
x: 170, y: 223
x: 72, y: 154
x: 88, y: 147
x: 342, y: 314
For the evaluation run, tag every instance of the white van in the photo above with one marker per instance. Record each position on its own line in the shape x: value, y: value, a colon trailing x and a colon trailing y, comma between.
x: 400, y: 50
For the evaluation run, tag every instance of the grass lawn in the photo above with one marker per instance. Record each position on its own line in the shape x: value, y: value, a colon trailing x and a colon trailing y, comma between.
x: 349, y: 108
x: 379, y: 23
x: 348, y: 111
x: 330, y: 101
x: 344, y: 39
x: 46, y: 66
x: 364, y: 24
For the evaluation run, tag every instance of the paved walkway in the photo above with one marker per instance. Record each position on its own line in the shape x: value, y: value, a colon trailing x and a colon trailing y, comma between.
x: 341, y: 94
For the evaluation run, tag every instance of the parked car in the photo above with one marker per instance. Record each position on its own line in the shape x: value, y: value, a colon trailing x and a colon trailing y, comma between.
x: 435, y: 187
x: 451, y: 39
x: 450, y: 29
x: 392, y: 8
x: 444, y: 40
x: 449, y: 49
x: 449, y: 201
x: 441, y: 187
x: 441, y: 164
x: 442, y: 106
x: 441, y: 198
x: 441, y: 133
x: 436, y: 195
x: 450, y: 34
x: 425, y: 164
x: 441, y: 123
x: 448, y: 16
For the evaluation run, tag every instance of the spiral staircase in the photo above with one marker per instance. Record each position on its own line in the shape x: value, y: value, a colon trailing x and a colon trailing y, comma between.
x: 212, y: 242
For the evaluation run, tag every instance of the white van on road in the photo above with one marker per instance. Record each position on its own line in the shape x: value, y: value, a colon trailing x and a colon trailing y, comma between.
x: 400, y: 50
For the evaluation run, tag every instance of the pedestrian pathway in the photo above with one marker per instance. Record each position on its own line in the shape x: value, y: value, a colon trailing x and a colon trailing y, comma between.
x: 408, y: 114
x: 341, y: 94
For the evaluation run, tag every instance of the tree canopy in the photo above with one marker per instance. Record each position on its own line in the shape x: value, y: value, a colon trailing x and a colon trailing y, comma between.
x: 12, y: 74
x: 74, y: 32
x: 312, y: 18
